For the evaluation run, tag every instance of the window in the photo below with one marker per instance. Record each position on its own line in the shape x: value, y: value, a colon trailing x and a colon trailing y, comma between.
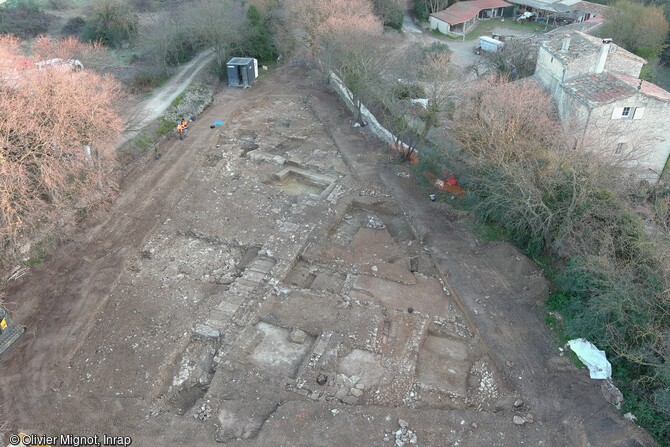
x: 626, y: 113
x: 620, y: 147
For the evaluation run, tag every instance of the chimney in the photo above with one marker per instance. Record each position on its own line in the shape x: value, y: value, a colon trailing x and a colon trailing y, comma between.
x: 566, y: 43
x: 602, y: 57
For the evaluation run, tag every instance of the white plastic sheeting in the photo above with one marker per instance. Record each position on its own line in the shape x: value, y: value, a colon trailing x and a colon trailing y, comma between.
x: 594, y: 359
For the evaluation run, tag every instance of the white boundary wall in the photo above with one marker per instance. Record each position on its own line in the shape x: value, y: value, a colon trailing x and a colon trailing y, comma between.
x: 377, y: 129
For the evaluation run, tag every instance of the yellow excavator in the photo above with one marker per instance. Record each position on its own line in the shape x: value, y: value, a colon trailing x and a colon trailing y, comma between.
x: 9, y: 332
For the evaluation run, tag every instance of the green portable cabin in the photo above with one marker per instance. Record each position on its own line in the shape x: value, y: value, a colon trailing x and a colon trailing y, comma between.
x: 241, y: 71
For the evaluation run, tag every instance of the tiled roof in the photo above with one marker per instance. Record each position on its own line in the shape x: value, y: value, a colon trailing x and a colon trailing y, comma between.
x: 644, y: 87
x: 592, y: 8
x: 463, y: 11
x: 598, y: 89
x: 582, y: 45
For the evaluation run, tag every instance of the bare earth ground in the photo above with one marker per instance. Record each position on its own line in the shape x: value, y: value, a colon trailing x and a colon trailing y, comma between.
x: 277, y: 282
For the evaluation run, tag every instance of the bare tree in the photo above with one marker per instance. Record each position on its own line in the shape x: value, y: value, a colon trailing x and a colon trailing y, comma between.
x: 426, y: 75
x: 356, y: 57
x: 168, y: 40
x: 321, y: 18
x: 515, y: 59
x: 503, y: 121
x: 436, y: 5
x: 219, y: 25
x: 58, y: 133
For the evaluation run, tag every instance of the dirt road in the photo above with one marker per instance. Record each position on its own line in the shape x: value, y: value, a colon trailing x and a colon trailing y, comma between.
x: 280, y: 281
x: 149, y: 110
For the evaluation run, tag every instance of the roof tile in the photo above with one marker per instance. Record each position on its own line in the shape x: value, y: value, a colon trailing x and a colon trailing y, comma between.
x: 598, y: 89
x: 463, y: 11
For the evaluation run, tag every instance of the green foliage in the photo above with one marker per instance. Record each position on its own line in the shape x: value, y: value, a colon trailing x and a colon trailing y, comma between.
x: 169, y: 40
x: 165, y: 126
x: 613, y: 276
x: 33, y: 261
x: 74, y: 26
x: 557, y: 301
x: 420, y: 10
x: 30, y: 5
x: 489, y: 231
x: 653, y: 415
x: 144, y: 142
x: 182, y: 48
x: 178, y: 100
x: 59, y: 5
x: 25, y: 20
x: 435, y: 48
x: 390, y: 12
x: 623, y: 311
x: 450, y: 109
x: 147, y: 80
x: 143, y: 5
x: 403, y: 90
x: 637, y: 27
x: 259, y: 42
x: 649, y: 72
x: 111, y: 22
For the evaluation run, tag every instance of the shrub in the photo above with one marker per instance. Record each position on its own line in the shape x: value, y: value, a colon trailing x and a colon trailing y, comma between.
x: 47, y: 171
x: 74, y: 26
x: 147, y: 80
x: 408, y: 91
x: 111, y: 22
x: 168, y: 40
x: 24, y: 21
x: 59, y: 5
x: 420, y: 10
x: 390, y: 12
x: 435, y: 48
x: 613, y: 287
x: 32, y: 5
x: 259, y: 43
x: 142, y: 5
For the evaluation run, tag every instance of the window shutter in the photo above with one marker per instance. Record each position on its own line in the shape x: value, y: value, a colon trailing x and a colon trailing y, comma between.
x: 616, y: 115
x: 639, y: 113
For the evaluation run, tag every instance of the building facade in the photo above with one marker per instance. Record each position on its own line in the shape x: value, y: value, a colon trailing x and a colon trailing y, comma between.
x: 603, y: 104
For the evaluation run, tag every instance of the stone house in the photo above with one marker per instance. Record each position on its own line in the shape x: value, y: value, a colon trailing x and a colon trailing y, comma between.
x: 604, y: 105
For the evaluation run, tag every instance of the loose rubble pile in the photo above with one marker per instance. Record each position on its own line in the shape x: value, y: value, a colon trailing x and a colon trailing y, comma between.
x: 403, y: 436
x: 203, y: 413
x: 375, y: 223
x: 487, y: 389
x: 520, y: 406
x: 193, y: 102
